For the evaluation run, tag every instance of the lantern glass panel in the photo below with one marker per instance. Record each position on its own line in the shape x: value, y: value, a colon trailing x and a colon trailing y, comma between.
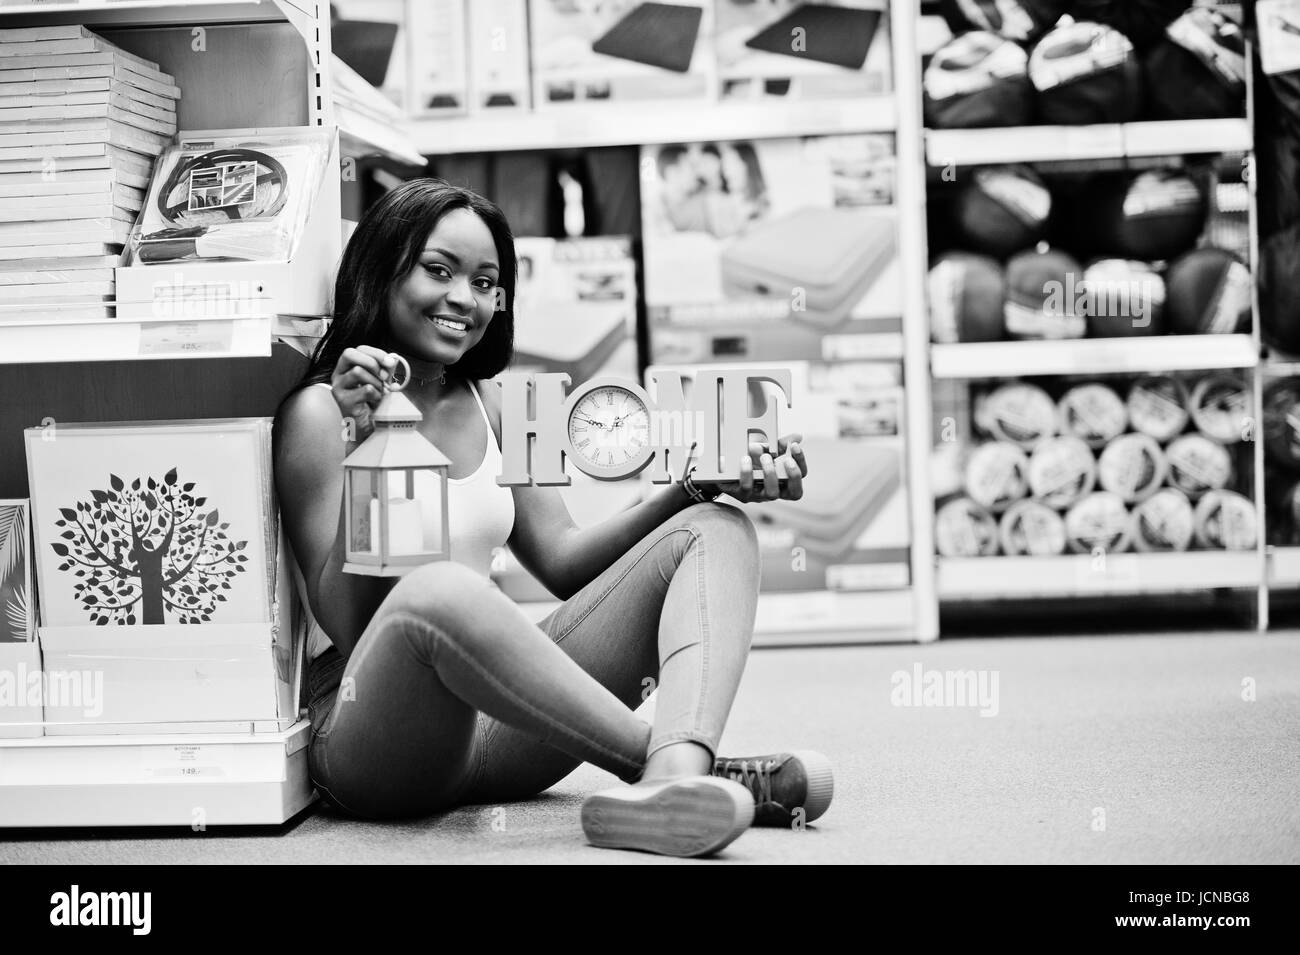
x: 415, y: 510
x: 363, y: 489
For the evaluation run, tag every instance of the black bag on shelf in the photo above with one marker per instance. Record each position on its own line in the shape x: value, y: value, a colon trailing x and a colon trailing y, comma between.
x: 1157, y: 214
x: 1002, y: 209
x: 1086, y: 73
x: 978, y: 80
x: 1021, y: 20
x: 1142, y: 21
x: 1198, y: 69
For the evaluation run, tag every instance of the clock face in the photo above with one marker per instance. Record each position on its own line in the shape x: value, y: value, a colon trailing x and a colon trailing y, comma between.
x: 609, y: 431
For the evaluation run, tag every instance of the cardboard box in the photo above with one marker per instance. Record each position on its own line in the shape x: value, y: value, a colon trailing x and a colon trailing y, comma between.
x: 771, y: 250
x: 437, y: 47
x: 498, y: 56
x: 575, y: 307
x: 787, y: 49
x: 851, y: 529
x: 621, y: 50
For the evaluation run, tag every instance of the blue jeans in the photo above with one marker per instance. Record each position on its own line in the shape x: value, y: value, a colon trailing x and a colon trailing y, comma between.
x: 453, y: 696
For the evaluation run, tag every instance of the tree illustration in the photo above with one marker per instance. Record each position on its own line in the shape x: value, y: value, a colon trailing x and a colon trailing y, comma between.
x: 148, y: 553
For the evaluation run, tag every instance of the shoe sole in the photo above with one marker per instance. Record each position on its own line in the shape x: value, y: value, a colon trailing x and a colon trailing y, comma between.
x: 687, y: 818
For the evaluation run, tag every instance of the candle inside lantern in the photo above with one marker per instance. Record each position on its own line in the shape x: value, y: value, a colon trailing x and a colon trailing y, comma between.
x: 405, y: 527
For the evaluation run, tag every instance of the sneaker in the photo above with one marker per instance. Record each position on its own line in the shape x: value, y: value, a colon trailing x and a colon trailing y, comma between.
x: 690, y: 816
x: 782, y: 783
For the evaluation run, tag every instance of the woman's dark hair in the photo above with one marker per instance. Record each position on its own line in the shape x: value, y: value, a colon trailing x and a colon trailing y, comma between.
x: 385, y: 247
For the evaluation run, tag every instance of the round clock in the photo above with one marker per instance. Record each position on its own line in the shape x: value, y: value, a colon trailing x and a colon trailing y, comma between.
x: 609, y: 429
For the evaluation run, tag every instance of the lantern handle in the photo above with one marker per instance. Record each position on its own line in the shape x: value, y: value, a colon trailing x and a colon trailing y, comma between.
x: 406, y: 379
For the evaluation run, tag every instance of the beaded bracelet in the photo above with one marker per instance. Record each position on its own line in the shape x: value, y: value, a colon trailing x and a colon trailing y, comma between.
x: 695, y: 493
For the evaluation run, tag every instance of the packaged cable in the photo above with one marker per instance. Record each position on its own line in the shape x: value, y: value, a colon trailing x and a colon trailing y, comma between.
x: 1093, y: 413
x: 1157, y: 406
x: 1099, y: 522
x: 997, y: 475
x: 1163, y: 521
x: 1061, y: 471
x: 1225, y: 520
x: 1030, y: 527
x: 963, y: 528
x: 231, y: 197
x: 1132, y: 466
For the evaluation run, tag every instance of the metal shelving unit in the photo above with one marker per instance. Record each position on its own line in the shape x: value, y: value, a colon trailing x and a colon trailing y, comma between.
x: 210, y: 776
x: 1125, y: 574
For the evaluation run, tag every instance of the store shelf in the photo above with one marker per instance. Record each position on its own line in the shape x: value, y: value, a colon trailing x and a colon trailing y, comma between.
x: 1087, y: 356
x: 174, y: 780
x: 818, y: 617
x: 1018, y: 144
x: 994, y: 578
x: 613, y: 124
x: 369, y: 124
x: 120, y: 13
x: 112, y: 339
x: 1284, y: 566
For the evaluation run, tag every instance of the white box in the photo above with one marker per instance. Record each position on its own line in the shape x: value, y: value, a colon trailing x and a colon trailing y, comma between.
x: 178, y: 679
x: 621, y: 50
x: 807, y: 72
x: 436, y: 57
x: 498, y: 56
x: 21, y: 692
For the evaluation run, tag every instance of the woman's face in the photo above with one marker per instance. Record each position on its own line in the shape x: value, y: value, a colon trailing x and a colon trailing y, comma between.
x: 442, y: 307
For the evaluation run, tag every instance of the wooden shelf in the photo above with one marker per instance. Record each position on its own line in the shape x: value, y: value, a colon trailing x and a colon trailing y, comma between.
x: 614, y: 124
x: 1084, y: 356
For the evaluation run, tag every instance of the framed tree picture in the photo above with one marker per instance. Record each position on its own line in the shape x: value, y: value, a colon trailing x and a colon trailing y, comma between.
x: 17, y: 601
x: 158, y: 523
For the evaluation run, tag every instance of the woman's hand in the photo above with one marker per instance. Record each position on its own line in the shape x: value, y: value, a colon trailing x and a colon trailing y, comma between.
x: 788, y: 463
x: 358, y: 384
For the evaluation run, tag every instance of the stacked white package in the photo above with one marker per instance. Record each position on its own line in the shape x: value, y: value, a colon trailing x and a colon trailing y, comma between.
x: 81, y: 123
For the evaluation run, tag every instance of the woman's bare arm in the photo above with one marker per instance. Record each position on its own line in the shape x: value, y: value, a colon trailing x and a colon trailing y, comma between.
x: 310, y: 447
x: 565, y: 558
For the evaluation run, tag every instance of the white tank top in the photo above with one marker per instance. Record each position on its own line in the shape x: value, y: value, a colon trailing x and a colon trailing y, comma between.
x: 480, y: 517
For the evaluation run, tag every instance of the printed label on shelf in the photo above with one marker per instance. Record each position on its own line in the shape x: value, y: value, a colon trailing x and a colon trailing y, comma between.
x: 1102, y: 570
x: 1279, y: 35
x: 867, y: 577
x: 188, y: 761
x: 850, y: 347
x: 186, y: 338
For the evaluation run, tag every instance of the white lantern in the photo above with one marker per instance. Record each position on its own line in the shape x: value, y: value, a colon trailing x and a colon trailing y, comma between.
x: 395, y: 498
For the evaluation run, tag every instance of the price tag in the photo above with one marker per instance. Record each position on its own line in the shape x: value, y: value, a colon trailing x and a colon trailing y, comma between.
x: 188, y: 761
x: 867, y: 577
x: 184, y: 339
x: 850, y: 347
x: 1102, y: 571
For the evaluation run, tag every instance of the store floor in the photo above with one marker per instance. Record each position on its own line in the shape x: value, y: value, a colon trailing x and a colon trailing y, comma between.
x: 1116, y: 749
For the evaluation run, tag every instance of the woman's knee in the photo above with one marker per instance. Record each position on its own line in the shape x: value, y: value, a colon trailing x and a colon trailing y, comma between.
x: 724, y: 523
x: 438, y: 591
